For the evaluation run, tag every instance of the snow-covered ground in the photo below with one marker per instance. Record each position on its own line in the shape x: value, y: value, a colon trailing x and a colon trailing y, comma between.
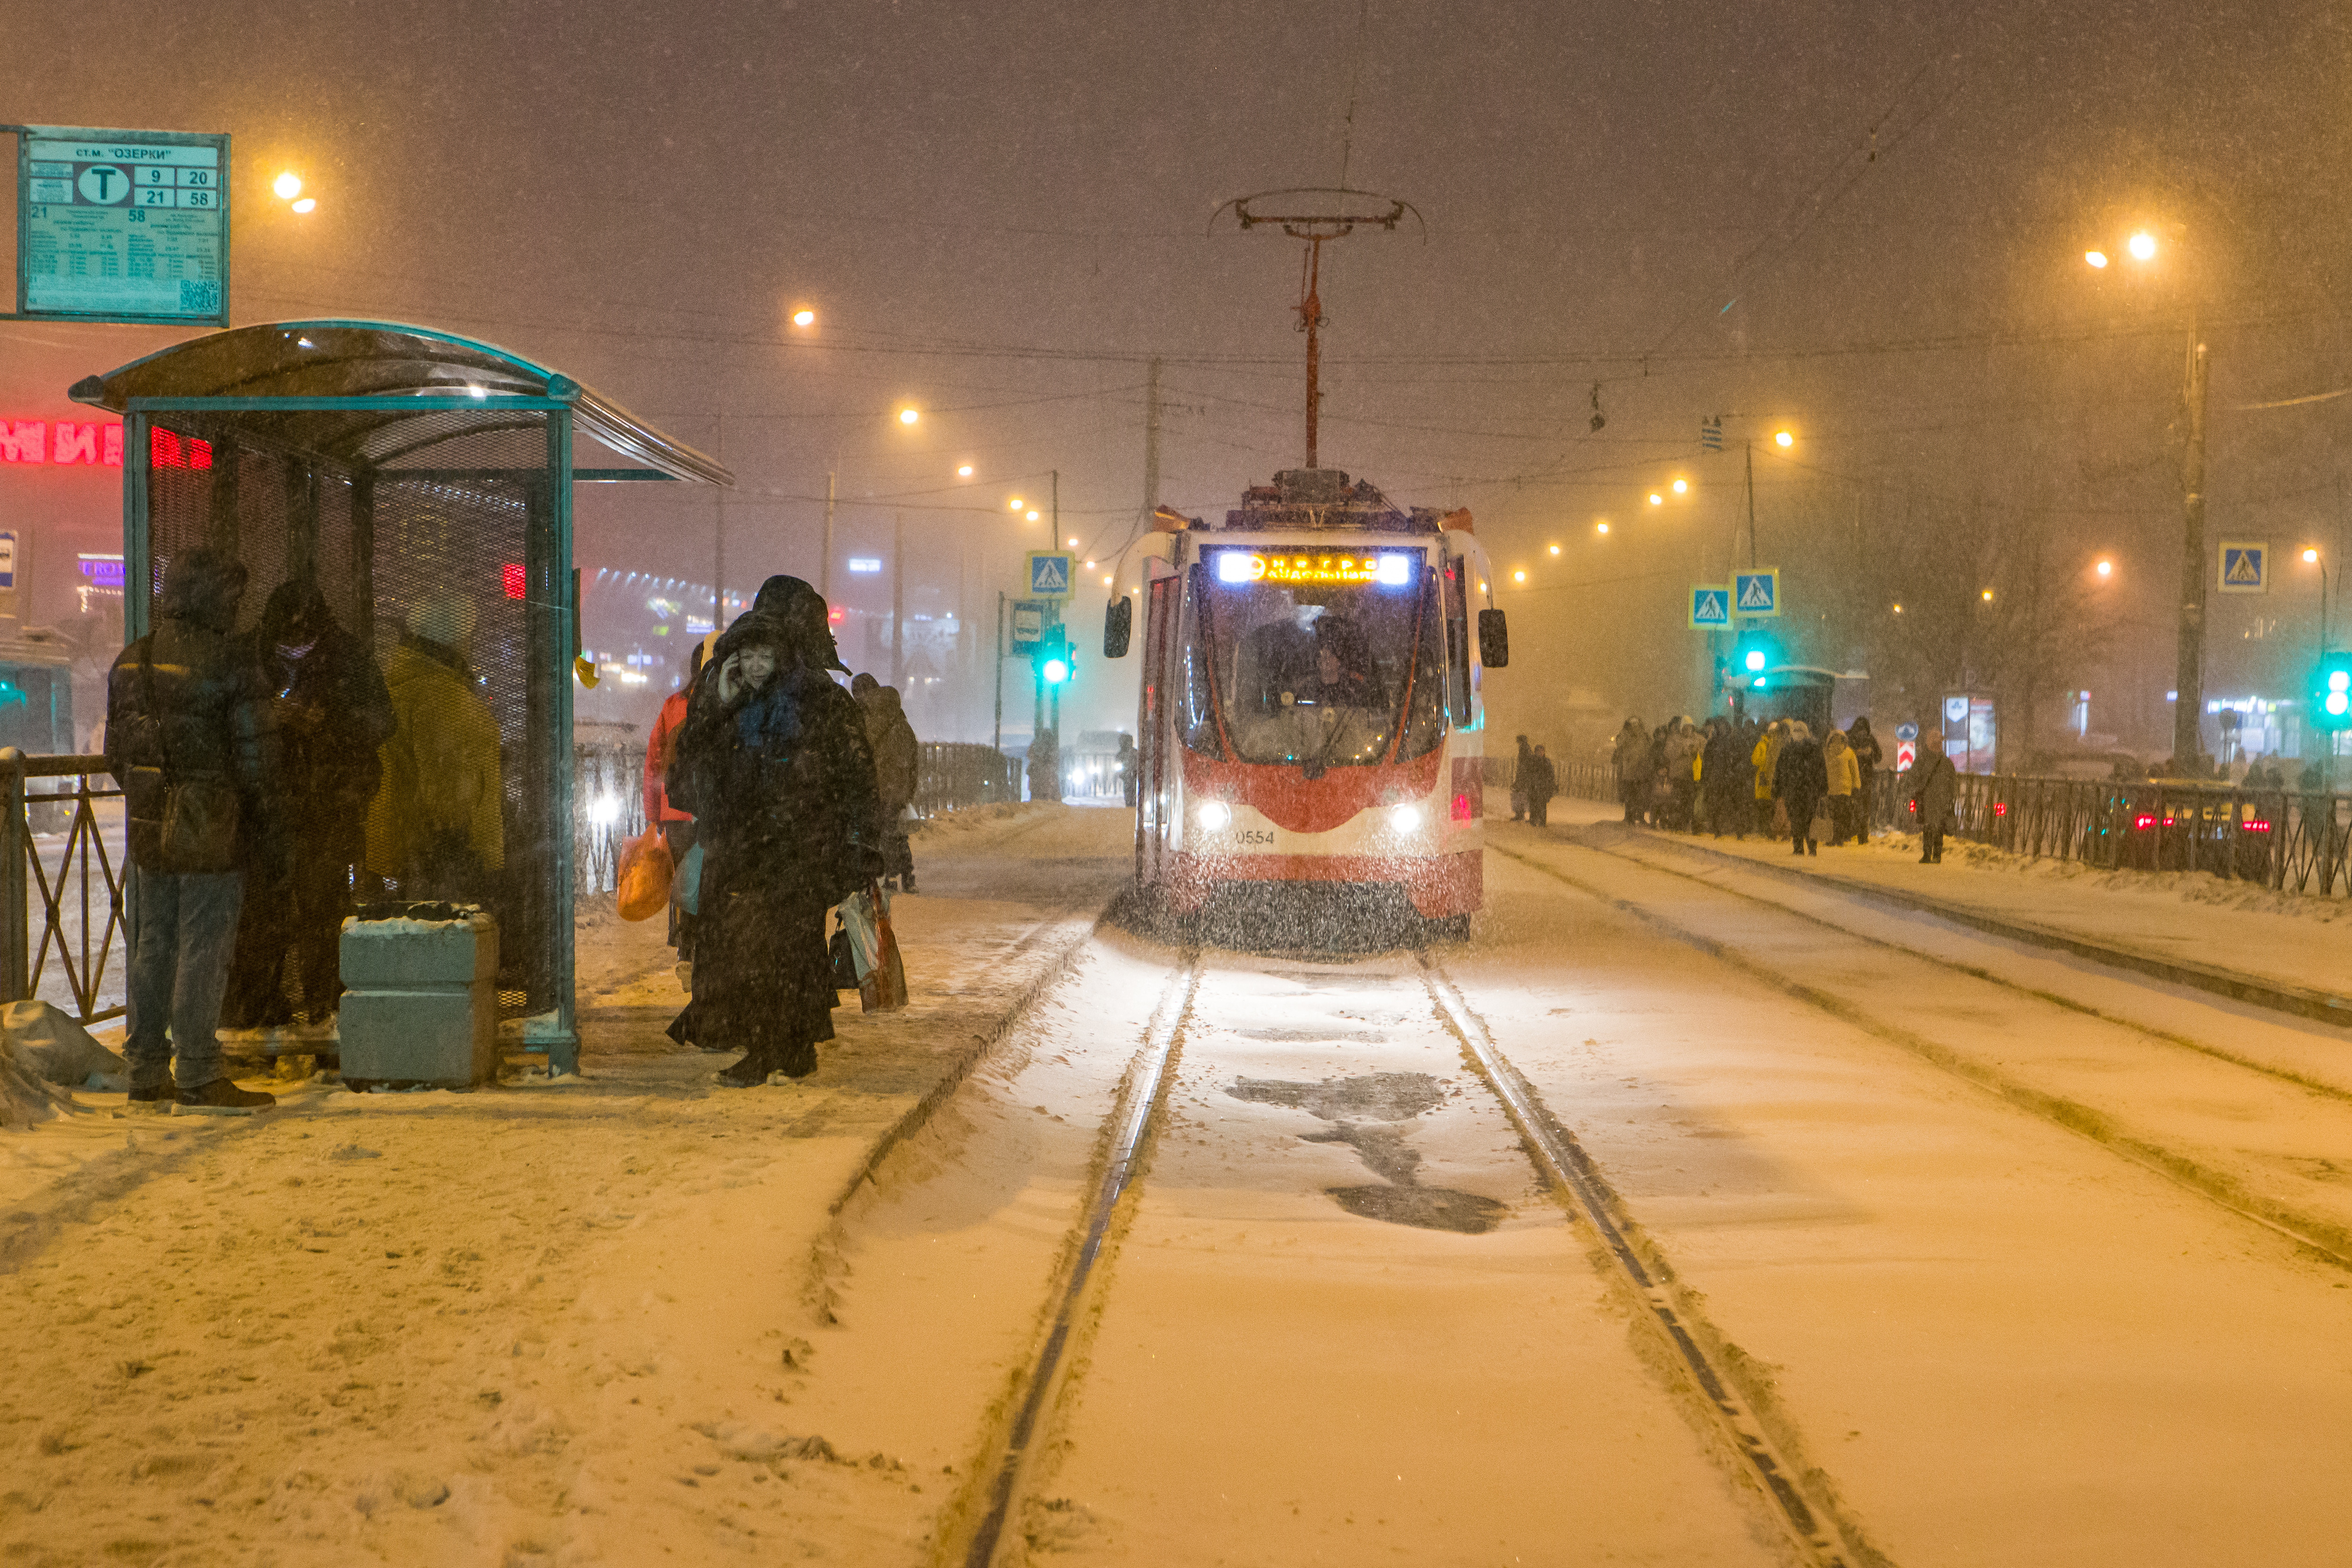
x: 2280, y: 938
x: 2018, y: 1258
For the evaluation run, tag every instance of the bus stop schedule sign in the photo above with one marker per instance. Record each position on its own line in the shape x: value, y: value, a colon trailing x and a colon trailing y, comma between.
x: 122, y: 226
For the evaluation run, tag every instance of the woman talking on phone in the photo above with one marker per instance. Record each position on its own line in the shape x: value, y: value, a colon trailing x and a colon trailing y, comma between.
x: 774, y: 763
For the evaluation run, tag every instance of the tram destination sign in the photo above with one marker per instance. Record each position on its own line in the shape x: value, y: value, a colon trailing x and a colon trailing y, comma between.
x: 122, y: 226
x: 1386, y: 568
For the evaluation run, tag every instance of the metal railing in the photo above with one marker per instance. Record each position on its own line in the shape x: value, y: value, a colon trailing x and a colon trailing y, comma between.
x: 2292, y: 840
x: 956, y: 774
x: 62, y: 846
x: 1093, y: 776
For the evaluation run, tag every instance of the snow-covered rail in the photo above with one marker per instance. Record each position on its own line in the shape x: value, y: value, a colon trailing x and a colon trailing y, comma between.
x: 1207, y: 1009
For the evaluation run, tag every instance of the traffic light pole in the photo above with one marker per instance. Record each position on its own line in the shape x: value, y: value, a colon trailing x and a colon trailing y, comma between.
x: 2188, y: 680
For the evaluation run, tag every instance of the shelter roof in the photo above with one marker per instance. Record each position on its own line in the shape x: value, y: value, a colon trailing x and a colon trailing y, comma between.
x: 378, y: 360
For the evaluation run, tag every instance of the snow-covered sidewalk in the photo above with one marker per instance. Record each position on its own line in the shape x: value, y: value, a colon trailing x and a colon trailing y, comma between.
x: 2192, y: 920
x: 519, y: 1325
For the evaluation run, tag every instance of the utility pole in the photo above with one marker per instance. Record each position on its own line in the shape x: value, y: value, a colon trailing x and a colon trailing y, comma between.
x: 996, y: 736
x: 824, y: 566
x: 1056, y: 542
x: 1310, y: 321
x: 1751, y: 505
x: 2188, y: 679
x: 1151, y: 441
x: 899, y: 599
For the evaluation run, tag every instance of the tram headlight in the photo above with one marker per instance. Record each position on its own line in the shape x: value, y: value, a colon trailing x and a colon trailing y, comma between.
x: 1213, y: 816
x: 1404, y: 819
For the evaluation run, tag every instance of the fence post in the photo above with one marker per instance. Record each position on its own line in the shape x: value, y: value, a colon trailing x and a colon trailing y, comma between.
x: 16, y: 937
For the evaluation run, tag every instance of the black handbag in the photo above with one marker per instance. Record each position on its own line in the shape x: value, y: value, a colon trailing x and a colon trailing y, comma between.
x: 845, y: 962
x: 200, y: 816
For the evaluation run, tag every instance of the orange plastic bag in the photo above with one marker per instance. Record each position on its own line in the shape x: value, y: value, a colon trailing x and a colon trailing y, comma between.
x: 645, y: 873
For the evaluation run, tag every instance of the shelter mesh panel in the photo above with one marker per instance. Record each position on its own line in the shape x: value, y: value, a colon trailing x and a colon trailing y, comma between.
x: 451, y: 536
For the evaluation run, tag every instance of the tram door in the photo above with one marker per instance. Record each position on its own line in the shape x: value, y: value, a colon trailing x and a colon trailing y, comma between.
x: 1155, y: 725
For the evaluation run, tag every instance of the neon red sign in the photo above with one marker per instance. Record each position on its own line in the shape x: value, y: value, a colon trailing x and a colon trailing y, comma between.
x: 70, y: 444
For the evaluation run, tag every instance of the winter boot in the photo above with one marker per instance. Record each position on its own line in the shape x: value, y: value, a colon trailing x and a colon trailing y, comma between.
x: 749, y: 1072
x: 155, y: 1100
x: 221, y: 1097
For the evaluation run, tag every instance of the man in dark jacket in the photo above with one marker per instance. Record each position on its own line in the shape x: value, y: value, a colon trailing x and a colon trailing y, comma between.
x: 1724, y: 776
x: 898, y: 769
x: 1801, y: 781
x: 188, y: 737
x: 1866, y: 757
x: 331, y: 713
x: 1932, y: 786
x: 1541, y: 784
x: 1635, y: 768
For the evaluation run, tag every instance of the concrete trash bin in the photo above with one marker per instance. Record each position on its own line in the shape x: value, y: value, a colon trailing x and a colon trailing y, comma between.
x: 420, y: 1006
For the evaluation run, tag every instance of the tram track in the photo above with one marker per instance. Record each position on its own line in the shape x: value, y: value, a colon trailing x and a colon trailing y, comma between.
x: 1715, y: 1402
x: 2316, y: 1235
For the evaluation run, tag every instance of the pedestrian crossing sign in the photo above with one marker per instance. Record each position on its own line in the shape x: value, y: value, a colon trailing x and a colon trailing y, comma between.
x: 1756, y: 592
x: 2245, y: 565
x: 1051, y: 573
x: 1710, y: 607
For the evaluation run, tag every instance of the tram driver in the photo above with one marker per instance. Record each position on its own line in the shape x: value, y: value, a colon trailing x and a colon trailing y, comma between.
x: 1339, y: 678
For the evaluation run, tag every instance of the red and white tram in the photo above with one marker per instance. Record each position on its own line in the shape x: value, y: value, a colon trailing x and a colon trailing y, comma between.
x: 1310, y: 718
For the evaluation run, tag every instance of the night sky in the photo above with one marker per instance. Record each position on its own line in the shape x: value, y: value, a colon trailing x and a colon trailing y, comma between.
x: 1861, y: 221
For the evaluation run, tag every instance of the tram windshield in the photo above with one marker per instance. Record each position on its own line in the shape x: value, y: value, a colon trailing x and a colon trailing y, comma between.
x: 1318, y: 659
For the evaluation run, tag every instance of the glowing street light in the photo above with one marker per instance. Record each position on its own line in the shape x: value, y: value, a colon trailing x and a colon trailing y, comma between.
x: 2096, y: 258
x: 2106, y: 569
x: 803, y: 317
x: 1601, y: 528
x: 307, y: 205
x: 1656, y: 500
x: 2143, y: 246
x: 1074, y: 544
x: 1519, y: 577
x: 908, y: 416
x: 2311, y: 557
x: 1033, y: 514
x: 964, y: 472
x: 1783, y: 439
x: 1986, y: 596
x: 1555, y: 549
x: 1682, y: 486
x: 288, y: 186
x: 1013, y: 505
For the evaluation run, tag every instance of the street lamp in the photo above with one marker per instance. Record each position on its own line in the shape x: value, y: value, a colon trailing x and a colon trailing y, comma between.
x: 908, y: 416
x: 288, y: 186
x: 2106, y: 569
x: 2189, y: 667
x: 2311, y: 557
x: 803, y: 317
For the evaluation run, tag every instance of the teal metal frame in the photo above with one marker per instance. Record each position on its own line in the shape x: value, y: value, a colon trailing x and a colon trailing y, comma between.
x: 548, y: 578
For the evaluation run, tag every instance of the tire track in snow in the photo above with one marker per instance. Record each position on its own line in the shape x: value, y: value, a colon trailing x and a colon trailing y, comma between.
x: 2323, y: 1238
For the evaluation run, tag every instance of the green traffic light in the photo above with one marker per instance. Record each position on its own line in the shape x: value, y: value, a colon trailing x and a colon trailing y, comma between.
x: 1056, y: 672
x: 1755, y: 658
x: 2331, y: 694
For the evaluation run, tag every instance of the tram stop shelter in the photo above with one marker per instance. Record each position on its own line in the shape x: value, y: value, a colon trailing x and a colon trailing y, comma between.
x: 424, y: 484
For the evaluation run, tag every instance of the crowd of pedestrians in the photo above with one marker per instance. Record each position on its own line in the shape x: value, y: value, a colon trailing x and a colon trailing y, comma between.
x: 275, y: 777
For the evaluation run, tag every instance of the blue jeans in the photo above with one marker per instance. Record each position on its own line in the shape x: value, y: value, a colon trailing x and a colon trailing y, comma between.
x: 183, y: 932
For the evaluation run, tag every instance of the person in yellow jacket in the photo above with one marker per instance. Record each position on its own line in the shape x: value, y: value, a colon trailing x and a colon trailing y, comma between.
x: 1767, y: 757
x: 1845, y: 782
x: 436, y: 829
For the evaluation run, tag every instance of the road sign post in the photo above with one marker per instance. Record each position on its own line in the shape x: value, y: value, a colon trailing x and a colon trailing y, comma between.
x: 1053, y: 574
x: 122, y: 226
x: 1757, y: 592
x: 2245, y: 565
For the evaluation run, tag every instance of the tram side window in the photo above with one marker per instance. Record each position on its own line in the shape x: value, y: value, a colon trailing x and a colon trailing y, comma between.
x: 1424, y: 719
x: 1458, y: 645
x: 1196, y: 709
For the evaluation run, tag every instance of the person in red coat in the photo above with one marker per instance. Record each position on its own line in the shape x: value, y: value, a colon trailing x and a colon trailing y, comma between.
x: 676, y: 827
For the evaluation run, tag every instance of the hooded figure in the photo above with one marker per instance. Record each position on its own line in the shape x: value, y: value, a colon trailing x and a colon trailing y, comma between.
x: 331, y: 713
x: 1631, y: 758
x: 1932, y: 786
x: 1542, y: 782
x: 1866, y: 757
x: 773, y: 765
x: 1519, y: 781
x: 1800, y: 780
x: 1723, y: 775
x: 1846, y: 778
x: 188, y: 737
x: 898, y: 769
x: 437, y: 826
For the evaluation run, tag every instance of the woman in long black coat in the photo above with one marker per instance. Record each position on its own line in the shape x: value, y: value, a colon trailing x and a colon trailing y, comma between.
x: 774, y: 763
